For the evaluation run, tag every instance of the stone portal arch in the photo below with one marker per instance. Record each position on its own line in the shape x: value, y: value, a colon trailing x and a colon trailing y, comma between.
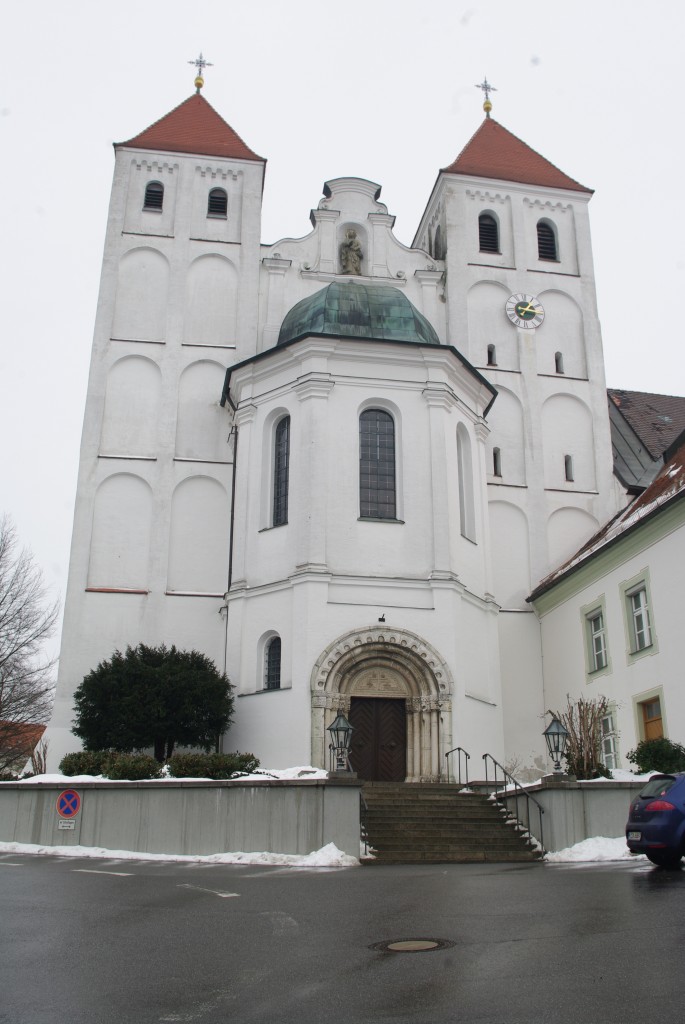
x: 387, y: 664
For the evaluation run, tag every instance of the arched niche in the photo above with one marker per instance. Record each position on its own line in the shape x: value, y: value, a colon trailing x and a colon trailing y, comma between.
x: 567, y: 431
x: 510, y: 551
x: 211, y: 293
x: 562, y: 332
x: 388, y: 664
x: 488, y: 325
x: 131, y: 414
x: 198, y: 538
x: 467, y: 509
x: 567, y: 530
x: 142, y: 296
x: 507, y: 434
x: 201, y: 424
x: 120, y: 539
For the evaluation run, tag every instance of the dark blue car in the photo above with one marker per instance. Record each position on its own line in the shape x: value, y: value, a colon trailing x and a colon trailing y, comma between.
x: 656, y: 823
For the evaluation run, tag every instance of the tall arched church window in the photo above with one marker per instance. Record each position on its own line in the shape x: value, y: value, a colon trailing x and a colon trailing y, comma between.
x: 492, y: 355
x: 568, y: 468
x: 281, y: 469
x: 558, y: 362
x: 272, y: 665
x: 154, y: 196
x: 496, y: 462
x: 377, y: 465
x: 547, y: 241
x: 488, y: 233
x: 467, y: 513
x: 217, y: 203
x: 438, y: 253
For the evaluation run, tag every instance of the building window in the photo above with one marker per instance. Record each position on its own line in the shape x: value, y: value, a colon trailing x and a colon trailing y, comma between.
x: 217, y: 203
x: 597, y: 643
x: 377, y: 465
x: 568, y: 468
x: 558, y: 362
x: 638, y: 619
x: 438, y: 252
x: 272, y: 666
x: 488, y: 233
x: 547, y: 241
x: 467, y: 511
x: 492, y: 355
x: 154, y: 196
x: 281, y: 468
x: 496, y: 462
x: 609, y: 740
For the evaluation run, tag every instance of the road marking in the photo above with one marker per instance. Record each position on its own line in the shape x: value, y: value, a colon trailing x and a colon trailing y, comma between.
x: 94, y: 871
x: 9, y: 864
x: 214, y: 892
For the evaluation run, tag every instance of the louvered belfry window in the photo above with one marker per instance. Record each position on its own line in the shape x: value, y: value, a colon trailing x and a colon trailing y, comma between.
x: 377, y: 465
x: 547, y: 242
x: 281, y: 468
x: 488, y: 233
x: 154, y: 196
x: 217, y: 203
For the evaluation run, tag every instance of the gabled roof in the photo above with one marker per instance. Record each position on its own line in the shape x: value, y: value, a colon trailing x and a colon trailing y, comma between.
x: 656, y: 419
x: 493, y: 152
x: 668, y: 486
x: 193, y: 127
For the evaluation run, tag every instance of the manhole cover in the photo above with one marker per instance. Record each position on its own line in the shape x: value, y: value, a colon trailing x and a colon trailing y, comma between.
x: 411, y: 945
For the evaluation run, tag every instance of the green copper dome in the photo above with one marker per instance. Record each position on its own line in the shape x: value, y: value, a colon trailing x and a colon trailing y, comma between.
x: 351, y: 309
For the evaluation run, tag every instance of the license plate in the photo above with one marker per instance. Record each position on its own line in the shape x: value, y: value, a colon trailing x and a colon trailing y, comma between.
x: 635, y: 835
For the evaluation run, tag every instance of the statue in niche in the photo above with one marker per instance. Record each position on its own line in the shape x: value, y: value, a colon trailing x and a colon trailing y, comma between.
x: 351, y: 255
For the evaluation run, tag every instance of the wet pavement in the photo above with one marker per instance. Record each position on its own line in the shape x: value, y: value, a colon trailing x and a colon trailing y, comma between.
x: 108, y: 942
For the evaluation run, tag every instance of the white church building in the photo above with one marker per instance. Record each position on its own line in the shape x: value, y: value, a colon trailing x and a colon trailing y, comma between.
x: 338, y: 465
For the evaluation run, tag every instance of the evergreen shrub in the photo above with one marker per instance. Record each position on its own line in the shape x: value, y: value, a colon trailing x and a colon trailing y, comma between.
x: 660, y: 755
x: 84, y: 762
x: 131, y: 767
x: 210, y: 766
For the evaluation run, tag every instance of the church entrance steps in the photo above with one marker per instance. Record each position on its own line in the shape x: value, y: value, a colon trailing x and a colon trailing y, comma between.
x: 410, y: 823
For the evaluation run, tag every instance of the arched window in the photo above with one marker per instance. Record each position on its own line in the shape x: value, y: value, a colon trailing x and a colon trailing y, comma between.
x: 281, y: 467
x: 272, y: 664
x: 488, y: 233
x: 568, y: 468
x: 547, y: 241
x: 376, y: 465
x: 492, y: 355
x: 558, y: 362
x: 438, y: 253
x: 217, y: 203
x: 154, y: 196
x: 496, y: 462
x: 467, y: 513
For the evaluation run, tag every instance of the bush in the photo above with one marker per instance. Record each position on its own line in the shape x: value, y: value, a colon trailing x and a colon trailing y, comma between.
x: 210, y: 766
x: 131, y: 767
x: 84, y: 762
x: 659, y: 755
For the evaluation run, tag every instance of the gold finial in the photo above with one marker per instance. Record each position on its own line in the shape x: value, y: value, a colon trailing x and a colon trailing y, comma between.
x: 487, y: 89
x: 200, y: 64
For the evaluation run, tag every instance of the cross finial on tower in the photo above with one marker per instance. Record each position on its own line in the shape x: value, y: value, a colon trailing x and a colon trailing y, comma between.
x: 487, y: 89
x: 200, y: 63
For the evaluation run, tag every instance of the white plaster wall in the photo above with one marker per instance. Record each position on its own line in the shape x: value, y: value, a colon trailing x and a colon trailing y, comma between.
x: 131, y: 415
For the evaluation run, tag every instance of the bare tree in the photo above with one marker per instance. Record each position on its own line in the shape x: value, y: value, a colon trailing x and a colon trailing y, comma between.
x: 27, y: 620
x: 583, y: 721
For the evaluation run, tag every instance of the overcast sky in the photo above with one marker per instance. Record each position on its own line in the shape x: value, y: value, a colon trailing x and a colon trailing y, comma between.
x: 377, y: 89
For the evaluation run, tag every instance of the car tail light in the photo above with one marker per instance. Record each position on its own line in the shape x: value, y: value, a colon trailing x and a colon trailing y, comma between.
x: 659, y: 805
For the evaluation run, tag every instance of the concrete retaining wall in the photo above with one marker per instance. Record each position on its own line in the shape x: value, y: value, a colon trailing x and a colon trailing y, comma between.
x: 188, y: 817
x: 574, y: 811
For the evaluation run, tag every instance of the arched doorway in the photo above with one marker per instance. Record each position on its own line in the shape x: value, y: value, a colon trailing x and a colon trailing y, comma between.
x: 397, y: 692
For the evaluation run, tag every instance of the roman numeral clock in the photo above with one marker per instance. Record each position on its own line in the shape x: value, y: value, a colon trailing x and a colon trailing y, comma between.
x: 524, y: 310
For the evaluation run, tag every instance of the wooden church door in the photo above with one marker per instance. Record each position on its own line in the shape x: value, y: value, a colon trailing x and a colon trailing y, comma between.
x: 379, y: 740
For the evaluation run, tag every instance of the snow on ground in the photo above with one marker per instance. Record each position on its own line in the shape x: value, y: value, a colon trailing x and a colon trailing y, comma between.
x: 327, y: 857
x: 599, y: 848
x: 261, y: 775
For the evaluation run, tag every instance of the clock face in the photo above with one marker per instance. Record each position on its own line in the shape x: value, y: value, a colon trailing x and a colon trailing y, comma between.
x: 525, y: 310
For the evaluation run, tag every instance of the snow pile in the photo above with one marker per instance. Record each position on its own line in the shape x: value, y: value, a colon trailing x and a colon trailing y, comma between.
x: 599, y: 848
x: 260, y: 775
x: 327, y: 857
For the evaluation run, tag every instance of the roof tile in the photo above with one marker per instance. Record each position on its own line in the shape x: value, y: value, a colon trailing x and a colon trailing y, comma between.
x: 493, y: 152
x: 193, y: 127
x: 656, y: 419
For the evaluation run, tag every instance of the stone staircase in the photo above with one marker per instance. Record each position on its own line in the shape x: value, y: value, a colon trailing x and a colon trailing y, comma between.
x: 411, y: 823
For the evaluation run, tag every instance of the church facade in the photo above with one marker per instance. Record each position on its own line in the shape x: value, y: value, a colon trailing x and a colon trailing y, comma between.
x: 338, y: 465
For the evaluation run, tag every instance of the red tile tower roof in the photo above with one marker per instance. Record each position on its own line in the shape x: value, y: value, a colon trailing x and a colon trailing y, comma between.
x: 193, y: 127
x: 493, y: 152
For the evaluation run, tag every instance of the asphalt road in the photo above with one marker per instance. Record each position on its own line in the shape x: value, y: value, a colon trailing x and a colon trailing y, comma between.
x: 113, y: 942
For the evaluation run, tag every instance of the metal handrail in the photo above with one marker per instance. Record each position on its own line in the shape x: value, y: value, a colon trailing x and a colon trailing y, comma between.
x: 363, y: 830
x: 459, y: 751
x: 519, y: 792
